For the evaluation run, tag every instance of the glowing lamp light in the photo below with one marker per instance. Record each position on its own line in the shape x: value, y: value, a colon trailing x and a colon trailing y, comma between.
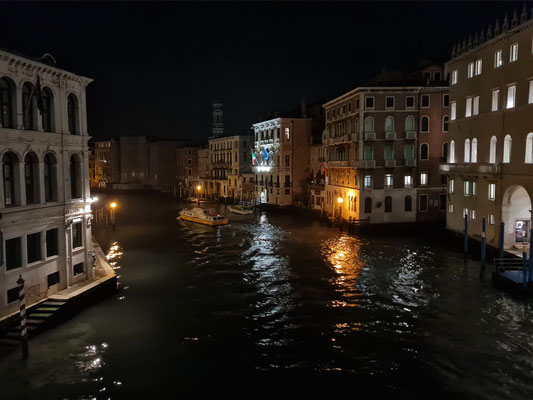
x: 113, y: 205
x: 351, y: 194
x: 340, y: 200
x: 198, y: 187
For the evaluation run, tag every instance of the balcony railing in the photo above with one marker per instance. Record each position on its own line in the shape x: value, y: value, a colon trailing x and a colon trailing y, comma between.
x: 410, y: 163
x: 366, y: 164
x: 370, y: 135
x: 410, y: 135
x: 390, y: 163
x: 470, y: 168
x: 341, y: 164
x: 390, y: 135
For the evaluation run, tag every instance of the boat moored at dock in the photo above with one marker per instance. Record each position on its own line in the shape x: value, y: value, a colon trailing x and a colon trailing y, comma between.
x: 206, y: 216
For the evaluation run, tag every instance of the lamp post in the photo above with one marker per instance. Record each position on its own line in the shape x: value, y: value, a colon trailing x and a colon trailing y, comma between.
x: 112, y: 207
x: 198, y: 188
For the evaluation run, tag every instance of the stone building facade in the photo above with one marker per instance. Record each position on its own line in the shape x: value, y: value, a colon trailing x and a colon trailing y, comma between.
x: 45, y: 201
x: 490, y: 164
x: 383, y: 145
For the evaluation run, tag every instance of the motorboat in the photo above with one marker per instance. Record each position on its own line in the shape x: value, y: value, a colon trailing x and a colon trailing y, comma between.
x: 206, y: 216
x: 240, y: 209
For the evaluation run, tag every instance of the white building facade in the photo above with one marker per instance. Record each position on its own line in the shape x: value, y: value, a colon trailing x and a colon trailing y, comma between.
x: 45, y: 199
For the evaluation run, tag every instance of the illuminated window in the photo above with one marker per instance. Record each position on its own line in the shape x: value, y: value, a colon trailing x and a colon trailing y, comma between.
x: 388, y: 181
x: 466, y: 186
x: 450, y: 208
x: 472, y: 214
x: 474, y: 188
x: 454, y: 76
x: 466, y: 157
x: 529, y: 148
x: 492, y: 191
x: 492, y: 152
x: 530, y: 96
x: 495, y: 99
x: 511, y: 96
x: 408, y: 181
x: 453, y: 110
x: 498, y: 59
x: 423, y: 178
x: 513, y: 52
x: 368, y: 181
x: 471, y: 68
x: 507, y: 142
x: 479, y: 64
x: 473, y: 151
x: 475, y: 109
x: 492, y: 220
x: 451, y: 186
x: 287, y: 133
x: 468, y: 110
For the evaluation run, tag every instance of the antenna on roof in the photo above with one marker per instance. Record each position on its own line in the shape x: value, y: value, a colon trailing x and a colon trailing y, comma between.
x: 49, y: 59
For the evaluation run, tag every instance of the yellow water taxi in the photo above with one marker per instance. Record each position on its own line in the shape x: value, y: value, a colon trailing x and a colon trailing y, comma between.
x: 203, y: 216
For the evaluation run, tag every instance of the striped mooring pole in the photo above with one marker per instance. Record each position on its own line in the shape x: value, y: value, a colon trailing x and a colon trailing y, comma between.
x: 23, y: 327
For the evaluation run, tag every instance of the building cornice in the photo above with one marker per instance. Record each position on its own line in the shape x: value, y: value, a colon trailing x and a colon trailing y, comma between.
x: 30, y: 67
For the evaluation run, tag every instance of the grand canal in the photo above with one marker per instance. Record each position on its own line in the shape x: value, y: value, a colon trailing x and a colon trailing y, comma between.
x: 280, y: 304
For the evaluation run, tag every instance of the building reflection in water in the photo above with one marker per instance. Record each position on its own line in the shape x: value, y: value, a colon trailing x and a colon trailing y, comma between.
x: 343, y: 254
x: 269, y: 274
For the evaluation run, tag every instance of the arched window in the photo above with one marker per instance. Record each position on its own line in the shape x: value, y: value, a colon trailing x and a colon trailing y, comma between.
x: 529, y: 148
x: 473, y: 157
x: 6, y: 103
x: 73, y: 115
x: 388, y: 204
x: 445, y: 123
x: 410, y: 124
x: 445, y: 152
x: 424, y: 124
x: 28, y: 104
x: 349, y: 126
x: 31, y: 178
x: 47, y: 99
x: 408, y: 203
x: 75, y: 177
x: 368, y: 205
x: 368, y: 152
x: 409, y: 153
x: 466, y: 158
x: 507, y: 142
x: 50, y: 180
x: 389, y: 124
x: 9, y: 169
x: 369, y: 124
x: 492, y: 155
x: 452, y: 152
x: 424, y: 151
x: 389, y: 152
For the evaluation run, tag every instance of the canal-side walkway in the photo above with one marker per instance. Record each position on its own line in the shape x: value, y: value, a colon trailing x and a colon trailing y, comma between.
x: 60, y: 306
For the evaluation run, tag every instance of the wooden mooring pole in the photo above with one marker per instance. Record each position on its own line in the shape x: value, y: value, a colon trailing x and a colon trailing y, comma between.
x: 502, y: 233
x: 465, y: 247
x: 23, y: 328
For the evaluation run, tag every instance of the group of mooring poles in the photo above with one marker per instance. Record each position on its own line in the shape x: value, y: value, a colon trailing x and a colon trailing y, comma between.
x: 527, y: 264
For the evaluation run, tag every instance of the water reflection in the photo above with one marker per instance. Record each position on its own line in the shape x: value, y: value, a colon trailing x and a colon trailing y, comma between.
x: 343, y: 254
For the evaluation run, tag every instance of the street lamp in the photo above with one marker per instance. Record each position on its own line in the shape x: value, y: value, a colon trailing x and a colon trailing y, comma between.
x: 112, y: 207
x: 198, y: 188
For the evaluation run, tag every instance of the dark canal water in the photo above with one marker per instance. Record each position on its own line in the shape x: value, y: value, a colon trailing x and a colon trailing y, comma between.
x: 277, y: 304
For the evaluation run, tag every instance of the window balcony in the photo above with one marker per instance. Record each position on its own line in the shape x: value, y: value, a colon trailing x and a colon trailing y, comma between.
x: 410, y: 135
x: 390, y: 135
x: 366, y: 164
x: 341, y: 164
x: 410, y: 163
x: 470, y: 168
x: 390, y: 163
x: 370, y: 135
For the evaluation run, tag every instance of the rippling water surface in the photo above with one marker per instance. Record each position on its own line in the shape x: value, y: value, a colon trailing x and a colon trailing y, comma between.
x: 280, y: 304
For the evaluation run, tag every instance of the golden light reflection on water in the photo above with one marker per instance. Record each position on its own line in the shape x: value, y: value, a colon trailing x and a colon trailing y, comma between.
x: 114, y: 255
x: 343, y: 255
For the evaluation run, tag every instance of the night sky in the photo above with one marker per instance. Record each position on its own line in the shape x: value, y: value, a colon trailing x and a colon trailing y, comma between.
x: 158, y: 66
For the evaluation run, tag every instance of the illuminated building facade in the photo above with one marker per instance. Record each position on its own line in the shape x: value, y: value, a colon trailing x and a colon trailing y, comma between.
x: 383, y: 143
x: 490, y: 161
x: 45, y: 202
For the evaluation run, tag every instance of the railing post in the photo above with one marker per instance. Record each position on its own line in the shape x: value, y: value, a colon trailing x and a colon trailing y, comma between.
x: 465, y: 247
x: 524, y: 278
x: 531, y: 255
x: 483, y: 241
x: 502, y: 232
x: 22, y: 313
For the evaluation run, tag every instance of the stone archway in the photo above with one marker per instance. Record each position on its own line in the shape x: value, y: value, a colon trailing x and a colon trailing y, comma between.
x: 516, y: 213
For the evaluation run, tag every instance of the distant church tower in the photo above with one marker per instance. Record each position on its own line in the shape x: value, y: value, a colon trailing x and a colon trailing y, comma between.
x: 218, y: 125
